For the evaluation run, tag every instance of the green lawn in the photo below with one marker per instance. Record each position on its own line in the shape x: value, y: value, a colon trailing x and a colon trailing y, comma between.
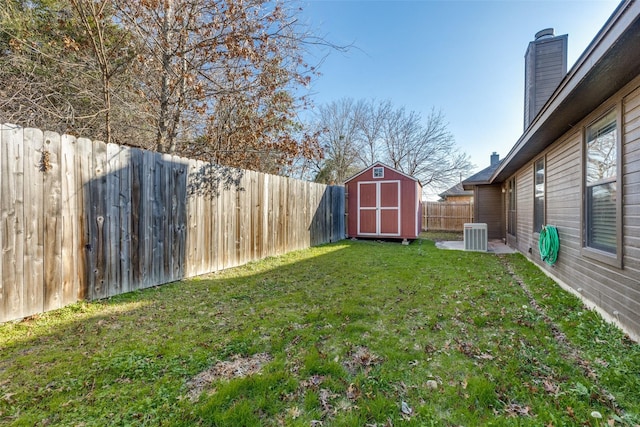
x: 348, y: 334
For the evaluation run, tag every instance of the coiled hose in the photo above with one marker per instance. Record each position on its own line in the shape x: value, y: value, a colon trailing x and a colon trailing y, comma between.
x: 549, y: 244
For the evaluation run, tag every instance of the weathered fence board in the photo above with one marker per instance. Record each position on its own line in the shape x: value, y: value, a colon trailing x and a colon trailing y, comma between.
x: 254, y: 210
x: 81, y: 219
x: 146, y: 219
x: 33, y: 297
x: 52, y: 222
x: 84, y: 174
x: 112, y: 220
x: 446, y: 216
x: 12, y: 217
x: 100, y: 221
x: 124, y: 197
x: 69, y: 218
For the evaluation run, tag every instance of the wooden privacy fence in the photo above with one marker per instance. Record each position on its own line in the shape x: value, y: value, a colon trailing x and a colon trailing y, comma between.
x: 81, y: 219
x: 446, y: 216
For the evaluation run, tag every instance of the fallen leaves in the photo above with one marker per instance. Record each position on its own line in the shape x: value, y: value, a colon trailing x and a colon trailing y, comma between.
x: 433, y: 385
x: 470, y: 349
x: 513, y: 410
x: 407, y: 411
x: 361, y: 358
x: 325, y: 396
x: 294, y: 412
x: 353, y: 392
x: 237, y: 367
x: 330, y: 401
x: 550, y: 386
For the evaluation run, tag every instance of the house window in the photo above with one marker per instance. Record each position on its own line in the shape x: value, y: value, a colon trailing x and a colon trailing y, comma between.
x: 511, y: 206
x: 378, y: 172
x: 538, y: 196
x: 601, y: 186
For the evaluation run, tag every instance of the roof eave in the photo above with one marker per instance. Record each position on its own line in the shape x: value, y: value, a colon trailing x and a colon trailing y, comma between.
x: 468, y: 185
x: 583, y: 88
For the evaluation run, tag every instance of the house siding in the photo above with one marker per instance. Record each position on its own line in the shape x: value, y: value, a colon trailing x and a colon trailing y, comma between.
x: 615, y: 291
x: 563, y: 192
x: 489, y: 210
x: 524, y: 206
x: 631, y: 182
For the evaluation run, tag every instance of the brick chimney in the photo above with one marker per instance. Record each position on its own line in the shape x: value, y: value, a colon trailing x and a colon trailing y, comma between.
x: 545, y: 65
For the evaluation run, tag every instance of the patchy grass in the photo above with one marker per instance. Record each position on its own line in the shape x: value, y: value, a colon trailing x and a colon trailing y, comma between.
x: 439, y: 236
x: 349, y: 334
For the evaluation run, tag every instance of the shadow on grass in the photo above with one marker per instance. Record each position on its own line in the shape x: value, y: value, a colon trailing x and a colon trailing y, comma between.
x: 352, y: 331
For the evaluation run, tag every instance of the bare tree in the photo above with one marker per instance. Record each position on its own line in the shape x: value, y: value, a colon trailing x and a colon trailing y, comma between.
x: 401, y: 131
x: 111, y: 49
x: 356, y: 134
x: 424, y: 148
x: 371, y: 125
x: 340, y: 125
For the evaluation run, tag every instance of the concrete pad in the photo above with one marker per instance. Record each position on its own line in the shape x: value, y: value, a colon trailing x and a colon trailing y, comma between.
x: 493, y: 246
x: 499, y: 247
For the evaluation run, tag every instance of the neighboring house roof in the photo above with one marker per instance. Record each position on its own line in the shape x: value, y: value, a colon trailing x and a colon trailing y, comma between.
x: 482, y: 177
x: 610, y: 62
x: 456, y: 191
x: 378, y: 164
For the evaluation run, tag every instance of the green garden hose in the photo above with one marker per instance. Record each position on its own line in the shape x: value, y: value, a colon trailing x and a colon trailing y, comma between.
x: 549, y: 244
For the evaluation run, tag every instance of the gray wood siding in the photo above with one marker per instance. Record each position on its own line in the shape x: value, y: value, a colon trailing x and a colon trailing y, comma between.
x: 631, y: 183
x: 524, y: 207
x: 616, y: 291
x: 491, y: 211
x: 563, y: 192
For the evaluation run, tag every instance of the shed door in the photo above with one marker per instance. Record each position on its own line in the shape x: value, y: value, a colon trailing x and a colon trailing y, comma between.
x: 379, y: 208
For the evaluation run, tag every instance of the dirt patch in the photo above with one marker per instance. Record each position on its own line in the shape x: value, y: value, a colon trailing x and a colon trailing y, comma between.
x: 361, y: 358
x: 237, y: 367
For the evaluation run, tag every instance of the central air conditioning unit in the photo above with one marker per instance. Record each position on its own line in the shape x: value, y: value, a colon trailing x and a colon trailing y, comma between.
x: 475, y: 237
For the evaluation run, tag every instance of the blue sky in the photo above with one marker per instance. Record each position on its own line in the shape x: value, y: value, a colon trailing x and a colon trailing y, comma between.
x: 465, y: 58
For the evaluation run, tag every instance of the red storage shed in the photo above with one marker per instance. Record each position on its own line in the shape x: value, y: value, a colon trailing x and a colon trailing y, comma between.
x: 383, y: 202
